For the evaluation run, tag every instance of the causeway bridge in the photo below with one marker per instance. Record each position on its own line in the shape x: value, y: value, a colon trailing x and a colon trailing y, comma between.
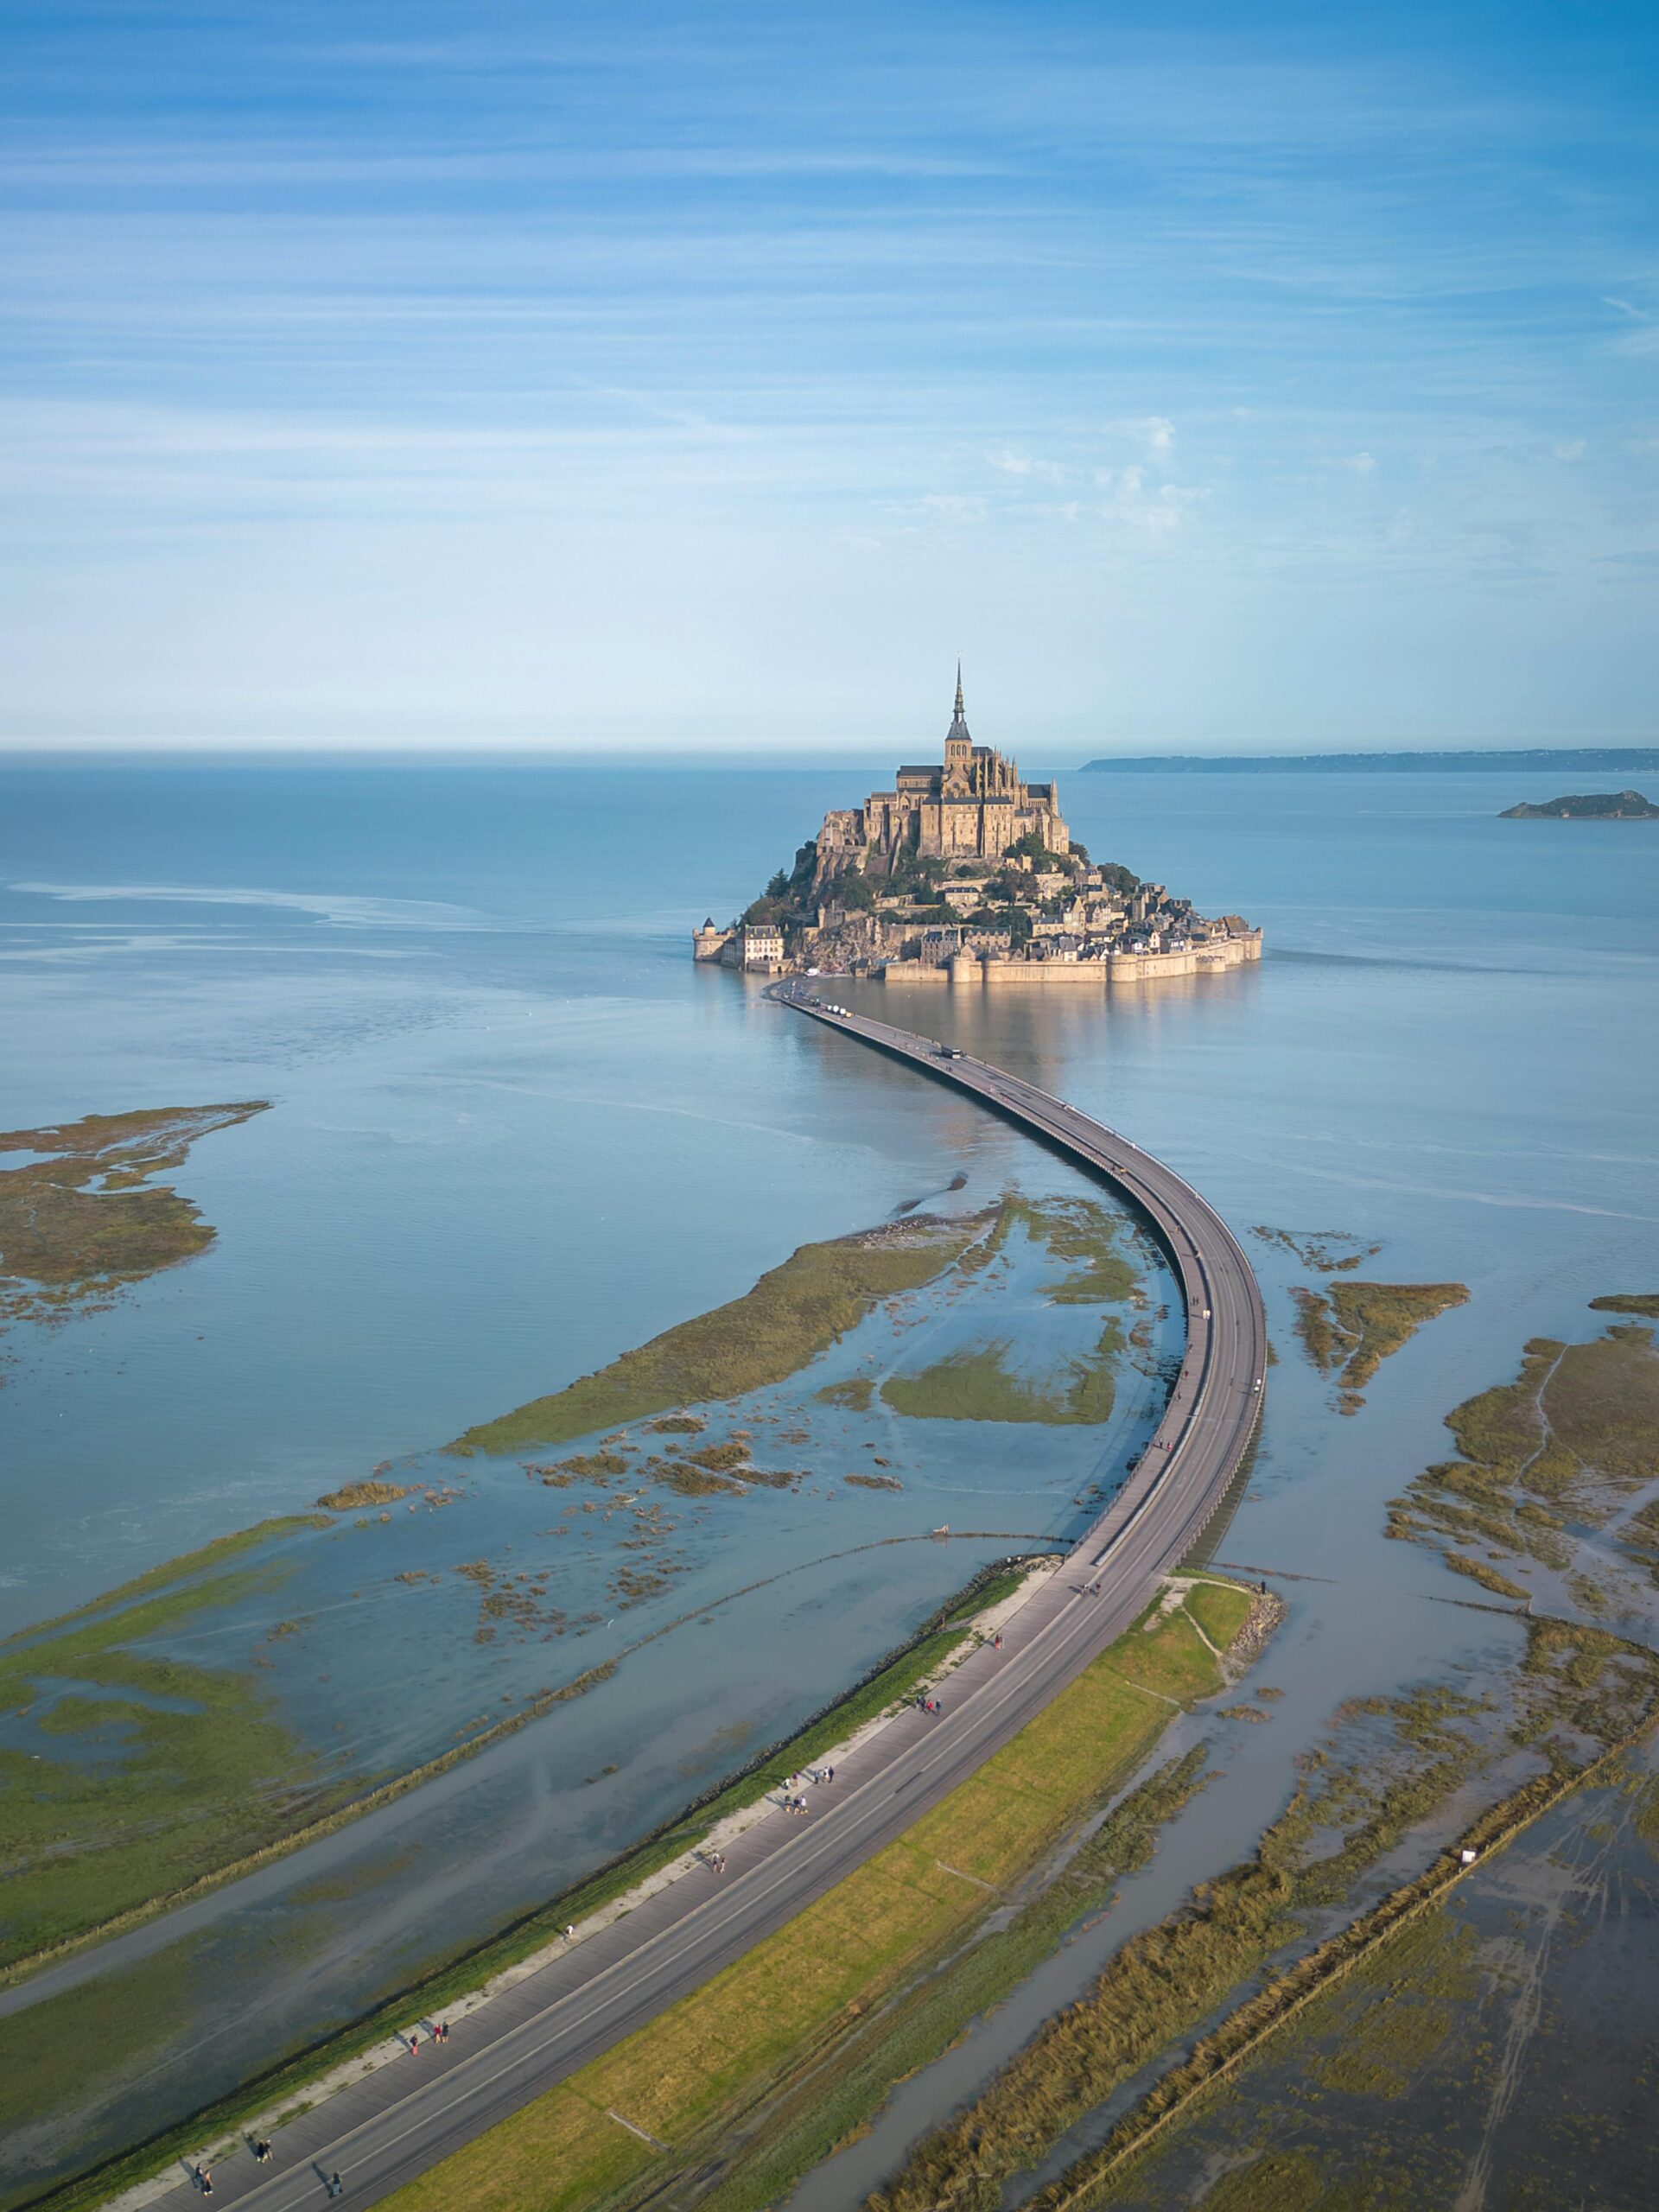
x: 382, y: 2129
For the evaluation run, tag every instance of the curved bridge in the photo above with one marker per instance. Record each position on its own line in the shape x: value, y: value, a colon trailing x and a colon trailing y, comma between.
x: 1211, y: 1415
x: 386, y: 2128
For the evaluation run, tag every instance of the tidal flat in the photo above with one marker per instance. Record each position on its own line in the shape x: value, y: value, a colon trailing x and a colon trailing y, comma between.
x: 499, y: 1085
x: 556, y: 1597
x: 1496, y: 2052
x: 1555, y: 1494
x: 83, y: 1217
x: 1392, y: 1766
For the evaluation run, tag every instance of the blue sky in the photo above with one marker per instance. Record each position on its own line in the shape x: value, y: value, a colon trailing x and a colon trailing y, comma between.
x: 1212, y: 377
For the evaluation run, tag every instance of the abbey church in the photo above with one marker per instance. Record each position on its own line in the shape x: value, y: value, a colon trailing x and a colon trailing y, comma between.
x: 972, y: 809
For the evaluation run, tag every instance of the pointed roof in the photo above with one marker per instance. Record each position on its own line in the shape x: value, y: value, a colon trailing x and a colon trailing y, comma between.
x: 958, y: 723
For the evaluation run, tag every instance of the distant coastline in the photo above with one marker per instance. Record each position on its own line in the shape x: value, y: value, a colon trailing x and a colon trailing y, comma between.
x: 1598, y: 759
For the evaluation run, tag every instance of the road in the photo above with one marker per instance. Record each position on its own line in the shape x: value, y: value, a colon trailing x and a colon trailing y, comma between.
x: 398, y: 2122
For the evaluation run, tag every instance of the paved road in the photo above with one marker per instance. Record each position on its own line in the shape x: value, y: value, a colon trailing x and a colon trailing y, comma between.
x: 398, y: 2121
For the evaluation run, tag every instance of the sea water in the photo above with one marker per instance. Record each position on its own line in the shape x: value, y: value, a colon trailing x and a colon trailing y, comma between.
x: 514, y: 1131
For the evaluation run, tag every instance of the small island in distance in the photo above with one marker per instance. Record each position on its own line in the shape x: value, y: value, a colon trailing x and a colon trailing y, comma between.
x: 1586, y: 806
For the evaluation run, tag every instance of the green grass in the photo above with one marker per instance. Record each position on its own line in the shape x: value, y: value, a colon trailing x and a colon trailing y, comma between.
x: 1162, y: 1983
x: 977, y: 1384
x: 794, y: 1312
x: 803, y: 2125
x: 1636, y: 1301
x: 780, y: 2007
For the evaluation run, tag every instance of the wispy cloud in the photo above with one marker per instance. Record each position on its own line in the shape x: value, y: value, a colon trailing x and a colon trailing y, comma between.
x: 362, y: 363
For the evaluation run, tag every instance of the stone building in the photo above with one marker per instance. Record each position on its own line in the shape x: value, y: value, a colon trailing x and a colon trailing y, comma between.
x: 973, y: 807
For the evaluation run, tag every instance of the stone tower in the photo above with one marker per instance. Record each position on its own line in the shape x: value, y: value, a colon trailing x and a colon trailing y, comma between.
x: 958, y: 746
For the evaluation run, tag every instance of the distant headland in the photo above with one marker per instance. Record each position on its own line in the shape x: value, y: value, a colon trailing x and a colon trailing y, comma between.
x: 963, y: 873
x: 1599, y: 760
x: 1586, y: 806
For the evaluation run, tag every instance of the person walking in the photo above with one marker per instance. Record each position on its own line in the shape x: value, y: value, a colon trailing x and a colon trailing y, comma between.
x: 414, y: 2044
x: 336, y: 2187
x: 204, y: 2181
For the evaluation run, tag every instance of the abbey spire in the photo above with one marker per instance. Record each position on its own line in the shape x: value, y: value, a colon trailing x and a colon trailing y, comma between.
x: 959, y: 723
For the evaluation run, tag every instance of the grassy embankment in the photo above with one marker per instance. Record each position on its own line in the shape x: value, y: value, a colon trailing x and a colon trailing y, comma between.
x: 1351, y: 1328
x: 63, y: 1244
x: 1577, y: 1431
x: 1572, y: 1684
x: 794, y: 1312
x: 977, y: 1383
x: 46, y: 2051
x: 761, y: 2047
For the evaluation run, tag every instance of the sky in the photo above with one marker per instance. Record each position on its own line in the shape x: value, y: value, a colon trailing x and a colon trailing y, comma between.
x: 1211, y: 378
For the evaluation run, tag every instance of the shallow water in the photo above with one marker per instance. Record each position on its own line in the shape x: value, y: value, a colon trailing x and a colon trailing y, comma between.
x: 1511, y: 2065
x: 515, y: 1131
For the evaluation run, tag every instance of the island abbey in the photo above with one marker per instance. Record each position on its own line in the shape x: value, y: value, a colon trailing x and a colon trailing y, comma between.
x: 973, y: 808
x: 963, y: 873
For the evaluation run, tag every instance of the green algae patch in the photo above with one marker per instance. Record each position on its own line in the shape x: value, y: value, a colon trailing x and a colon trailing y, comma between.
x: 88, y: 1219
x: 795, y: 1312
x: 977, y: 1384
x: 1349, y: 1330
